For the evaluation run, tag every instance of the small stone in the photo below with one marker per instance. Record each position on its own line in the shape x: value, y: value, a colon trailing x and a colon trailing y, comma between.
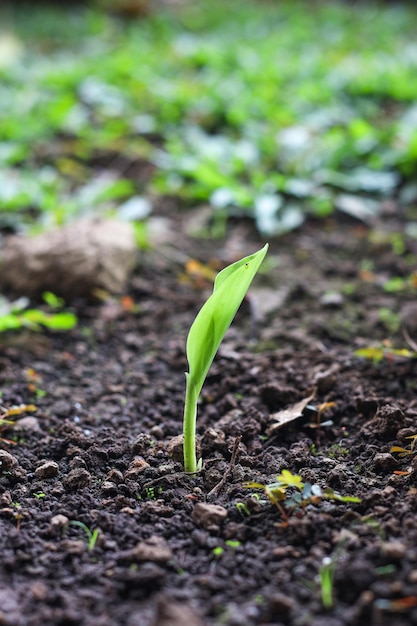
x: 39, y: 591
x: 7, y: 461
x: 19, y: 474
x: 49, y: 469
x: 393, y: 550
x: 157, y: 432
x: 214, y: 439
x: 281, y: 552
x: 77, y: 478
x: 170, y: 613
x: 136, y: 467
x: 412, y: 577
x: 29, y: 423
x: 58, y: 524
x: 279, y: 602
x: 128, y: 510
x: 208, y: 515
x: 74, y: 546
x: 142, y: 443
x: 77, y: 462
x: 115, y: 476
x: 108, y: 488
x: 154, y: 549
x: 175, y: 448
x: 6, y: 499
x: 383, y: 462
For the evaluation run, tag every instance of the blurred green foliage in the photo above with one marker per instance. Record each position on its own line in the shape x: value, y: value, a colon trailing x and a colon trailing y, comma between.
x: 260, y: 109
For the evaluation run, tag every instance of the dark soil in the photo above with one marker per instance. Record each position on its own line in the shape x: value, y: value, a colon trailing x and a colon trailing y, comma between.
x: 109, y: 397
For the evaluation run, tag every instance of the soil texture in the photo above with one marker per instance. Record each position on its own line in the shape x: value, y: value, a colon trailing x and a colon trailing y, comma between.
x: 99, y: 524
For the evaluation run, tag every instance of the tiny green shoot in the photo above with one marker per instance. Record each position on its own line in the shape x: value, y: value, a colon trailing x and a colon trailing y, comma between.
x: 206, y: 335
x: 243, y: 509
x: 218, y: 551
x: 302, y: 494
x: 91, y: 535
x: 326, y: 576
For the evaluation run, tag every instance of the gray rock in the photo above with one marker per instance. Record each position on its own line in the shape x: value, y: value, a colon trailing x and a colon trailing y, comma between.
x: 72, y: 261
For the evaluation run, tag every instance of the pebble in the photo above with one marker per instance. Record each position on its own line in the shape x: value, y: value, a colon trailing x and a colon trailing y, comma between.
x: 170, y: 613
x: 77, y: 478
x: 109, y: 488
x: 412, y: 577
x: 58, y: 524
x: 115, y: 476
x: 279, y: 602
x: 208, y: 515
x: 393, y: 550
x: 142, y: 443
x: 48, y: 469
x: 7, y: 461
x: 136, y: 467
x: 29, y: 423
x: 175, y: 448
x: 384, y: 462
x: 154, y: 549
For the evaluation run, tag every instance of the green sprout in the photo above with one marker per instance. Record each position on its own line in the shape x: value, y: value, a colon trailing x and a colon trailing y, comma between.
x: 302, y: 494
x: 206, y: 335
x: 326, y: 576
x: 16, y: 316
x: 242, y: 508
x: 91, y: 535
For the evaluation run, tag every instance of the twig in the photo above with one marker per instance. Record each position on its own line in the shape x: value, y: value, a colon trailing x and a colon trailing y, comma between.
x: 235, y: 453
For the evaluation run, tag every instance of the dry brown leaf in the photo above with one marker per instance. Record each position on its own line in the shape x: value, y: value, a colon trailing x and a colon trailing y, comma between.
x: 288, y: 415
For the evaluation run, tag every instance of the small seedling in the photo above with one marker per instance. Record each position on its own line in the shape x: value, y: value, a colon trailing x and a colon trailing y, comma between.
x: 242, y: 508
x: 92, y: 535
x: 326, y: 576
x: 15, y: 315
x: 206, y: 335
x: 218, y: 551
x: 385, y: 351
x: 302, y: 494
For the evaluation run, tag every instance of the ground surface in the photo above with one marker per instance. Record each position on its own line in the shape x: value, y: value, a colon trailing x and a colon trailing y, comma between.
x: 109, y: 401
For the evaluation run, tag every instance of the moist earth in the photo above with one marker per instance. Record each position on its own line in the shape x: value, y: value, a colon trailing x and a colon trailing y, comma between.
x: 99, y: 524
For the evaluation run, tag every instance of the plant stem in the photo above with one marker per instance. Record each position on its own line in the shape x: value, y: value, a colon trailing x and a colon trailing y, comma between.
x: 190, y: 415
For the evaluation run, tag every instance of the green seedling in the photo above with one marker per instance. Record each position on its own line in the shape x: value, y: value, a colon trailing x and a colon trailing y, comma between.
x: 326, y: 577
x: 206, y: 335
x: 301, y: 495
x: 242, y: 508
x: 16, y: 316
x: 231, y: 543
x: 378, y: 353
x: 92, y: 535
x: 218, y: 551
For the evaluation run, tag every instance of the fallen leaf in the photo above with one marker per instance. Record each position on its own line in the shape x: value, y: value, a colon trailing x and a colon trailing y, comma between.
x: 288, y: 415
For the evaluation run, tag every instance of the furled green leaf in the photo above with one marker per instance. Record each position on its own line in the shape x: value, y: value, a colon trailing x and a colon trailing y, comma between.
x: 217, y: 313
